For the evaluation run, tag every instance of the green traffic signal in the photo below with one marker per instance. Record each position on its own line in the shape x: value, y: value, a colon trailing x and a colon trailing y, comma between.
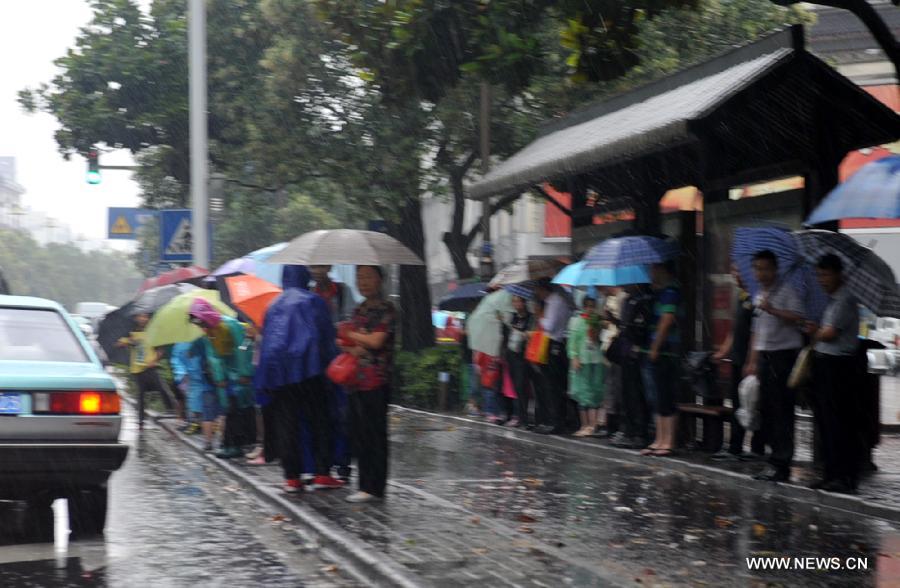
x: 93, y: 161
x: 93, y: 177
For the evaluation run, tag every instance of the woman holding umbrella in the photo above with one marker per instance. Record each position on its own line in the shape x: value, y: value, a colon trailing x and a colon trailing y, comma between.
x: 372, y: 333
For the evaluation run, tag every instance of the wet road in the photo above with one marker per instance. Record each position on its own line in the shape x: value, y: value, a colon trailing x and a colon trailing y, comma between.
x: 175, y: 520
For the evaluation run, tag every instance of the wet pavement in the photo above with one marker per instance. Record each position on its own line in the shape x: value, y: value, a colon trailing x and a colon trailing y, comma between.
x: 176, y: 520
x: 472, y: 504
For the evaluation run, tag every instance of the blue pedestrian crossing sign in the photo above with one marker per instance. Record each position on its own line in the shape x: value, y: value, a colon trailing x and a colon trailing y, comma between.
x: 124, y: 223
x: 176, y: 235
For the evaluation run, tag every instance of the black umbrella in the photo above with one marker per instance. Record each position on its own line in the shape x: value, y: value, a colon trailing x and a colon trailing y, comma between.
x: 465, y: 298
x: 115, y: 325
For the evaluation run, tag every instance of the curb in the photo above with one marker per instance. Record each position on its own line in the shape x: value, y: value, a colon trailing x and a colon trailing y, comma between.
x: 366, y: 565
x: 847, y: 504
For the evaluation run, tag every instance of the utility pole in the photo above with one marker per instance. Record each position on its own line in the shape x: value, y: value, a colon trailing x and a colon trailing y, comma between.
x: 487, y: 253
x: 198, y: 130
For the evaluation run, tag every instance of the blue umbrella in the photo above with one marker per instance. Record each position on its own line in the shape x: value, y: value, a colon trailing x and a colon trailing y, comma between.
x: 629, y: 251
x: 872, y: 192
x: 792, y: 267
x: 465, y: 298
x: 579, y: 274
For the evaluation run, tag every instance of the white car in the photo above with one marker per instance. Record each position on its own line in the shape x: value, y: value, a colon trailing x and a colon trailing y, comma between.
x: 886, y: 332
x: 59, y: 416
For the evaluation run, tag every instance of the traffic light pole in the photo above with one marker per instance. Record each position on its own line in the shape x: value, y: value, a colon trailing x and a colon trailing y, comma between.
x: 198, y: 130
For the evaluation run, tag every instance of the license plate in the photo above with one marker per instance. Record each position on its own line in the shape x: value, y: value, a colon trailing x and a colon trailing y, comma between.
x: 10, y: 403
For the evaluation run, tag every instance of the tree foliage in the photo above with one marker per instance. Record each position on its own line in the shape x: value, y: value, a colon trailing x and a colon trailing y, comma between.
x: 63, y: 272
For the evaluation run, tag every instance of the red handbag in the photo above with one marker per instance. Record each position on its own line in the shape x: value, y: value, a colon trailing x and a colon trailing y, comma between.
x: 343, y: 369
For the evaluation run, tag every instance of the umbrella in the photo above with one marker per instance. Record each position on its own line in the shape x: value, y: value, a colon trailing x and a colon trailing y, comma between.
x: 748, y: 241
x: 340, y: 246
x: 262, y: 268
x: 181, y: 274
x: 155, y: 298
x: 533, y: 269
x: 869, y: 278
x: 629, y: 251
x: 524, y: 290
x: 578, y: 274
x: 115, y: 325
x: 872, y: 192
x: 248, y: 295
x: 241, y: 265
x: 465, y: 298
x: 484, y: 328
x: 170, y: 324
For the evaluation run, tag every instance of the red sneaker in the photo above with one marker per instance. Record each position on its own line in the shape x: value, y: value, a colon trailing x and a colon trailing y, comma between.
x: 326, y: 483
x: 293, y: 486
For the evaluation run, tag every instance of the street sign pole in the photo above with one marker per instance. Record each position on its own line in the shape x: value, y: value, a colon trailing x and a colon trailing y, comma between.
x: 199, y: 147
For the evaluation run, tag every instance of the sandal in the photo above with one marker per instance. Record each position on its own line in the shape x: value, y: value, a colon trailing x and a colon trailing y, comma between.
x: 649, y: 451
x: 663, y: 453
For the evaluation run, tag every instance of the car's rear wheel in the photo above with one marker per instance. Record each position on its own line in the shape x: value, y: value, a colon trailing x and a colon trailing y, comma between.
x: 87, y: 511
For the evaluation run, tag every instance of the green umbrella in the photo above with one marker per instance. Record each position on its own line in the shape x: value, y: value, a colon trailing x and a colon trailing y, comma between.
x: 170, y: 324
x: 484, y: 328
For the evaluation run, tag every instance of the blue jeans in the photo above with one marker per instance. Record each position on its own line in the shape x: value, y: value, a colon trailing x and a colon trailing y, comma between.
x: 491, y: 403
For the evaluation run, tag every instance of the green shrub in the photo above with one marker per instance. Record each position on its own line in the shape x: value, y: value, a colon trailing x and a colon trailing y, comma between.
x: 417, y: 382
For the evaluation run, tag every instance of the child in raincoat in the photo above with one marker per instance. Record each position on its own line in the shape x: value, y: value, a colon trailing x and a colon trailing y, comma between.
x: 190, y: 373
x: 586, y: 365
x: 228, y: 352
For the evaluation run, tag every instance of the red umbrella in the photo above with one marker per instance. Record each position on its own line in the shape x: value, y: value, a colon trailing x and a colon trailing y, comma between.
x: 182, y: 274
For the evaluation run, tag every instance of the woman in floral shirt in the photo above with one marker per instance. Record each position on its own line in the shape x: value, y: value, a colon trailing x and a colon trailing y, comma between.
x: 372, y: 335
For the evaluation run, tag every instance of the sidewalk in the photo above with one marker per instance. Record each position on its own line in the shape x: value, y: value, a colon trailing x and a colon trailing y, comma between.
x: 475, y: 504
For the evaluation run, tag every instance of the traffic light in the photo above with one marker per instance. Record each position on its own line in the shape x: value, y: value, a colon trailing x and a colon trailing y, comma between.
x: 93, y: 172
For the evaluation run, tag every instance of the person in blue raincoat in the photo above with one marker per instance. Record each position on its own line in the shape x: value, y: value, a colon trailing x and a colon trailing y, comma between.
x: 298, y: 343
x: 227, y: 351
x: 187, y: 372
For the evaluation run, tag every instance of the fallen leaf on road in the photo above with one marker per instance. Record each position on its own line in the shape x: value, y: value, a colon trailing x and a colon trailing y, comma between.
x: 723, y: 523
x: 524, y: 518
x: 332, y: 569
x: 475, y: 520
x: 410, y: 542
x: 623, y: 509
x: 451, y: 428
x: 524, y: 529
x: 649, y: 572
x: 533, y: 482
x: 698, y: 563
x: 759, y: 530
x: 639, y: 541
x: 480, y: 550
x: 279, y: 518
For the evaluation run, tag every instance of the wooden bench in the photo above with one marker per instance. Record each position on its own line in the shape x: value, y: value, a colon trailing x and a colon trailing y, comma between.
x: 713, y: 417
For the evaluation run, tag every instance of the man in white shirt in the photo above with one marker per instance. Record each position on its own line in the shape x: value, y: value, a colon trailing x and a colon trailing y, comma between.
x: 554, y: 384
x: 775, y: 344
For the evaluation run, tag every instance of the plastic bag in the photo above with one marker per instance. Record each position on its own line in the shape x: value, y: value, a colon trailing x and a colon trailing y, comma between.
x: 748, y: 414
x: 538, y: 349
x: 343, y: 369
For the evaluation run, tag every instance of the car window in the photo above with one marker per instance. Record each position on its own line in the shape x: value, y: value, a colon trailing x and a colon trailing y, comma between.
x: 28, y: 334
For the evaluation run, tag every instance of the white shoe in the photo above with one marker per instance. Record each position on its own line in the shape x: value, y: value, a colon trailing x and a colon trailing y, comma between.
x: 255, y: 453
x: 361, y: 497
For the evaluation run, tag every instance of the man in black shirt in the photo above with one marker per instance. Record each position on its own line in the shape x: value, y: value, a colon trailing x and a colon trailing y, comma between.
x: 636, y: 317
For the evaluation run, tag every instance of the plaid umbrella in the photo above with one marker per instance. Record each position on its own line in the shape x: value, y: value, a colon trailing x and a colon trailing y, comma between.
x: 524, y: 290
x: 872, y: 192
x: 869, y: 278
x: 629, y: 251
x: 792, y: 268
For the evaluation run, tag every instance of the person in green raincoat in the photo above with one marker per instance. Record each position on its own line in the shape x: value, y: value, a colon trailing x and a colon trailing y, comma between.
x: 586, y: 366
x: 227, y: 347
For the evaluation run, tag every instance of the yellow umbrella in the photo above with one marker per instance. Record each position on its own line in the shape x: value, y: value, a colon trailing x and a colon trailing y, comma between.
x: 170, y: 324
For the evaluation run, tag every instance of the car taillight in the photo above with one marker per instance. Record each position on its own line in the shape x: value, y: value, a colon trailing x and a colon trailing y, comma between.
x: 86, y: 402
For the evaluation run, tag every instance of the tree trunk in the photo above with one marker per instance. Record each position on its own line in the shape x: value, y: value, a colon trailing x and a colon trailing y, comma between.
x: 458, y: 247
x: 416, y: 329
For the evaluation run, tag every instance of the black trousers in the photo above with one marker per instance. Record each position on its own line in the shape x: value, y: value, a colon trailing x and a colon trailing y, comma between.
x: 368, y: 431
x: 777, y: 404
x: 522, y: 375
x: 553, y: 395
x: 635, y: 414
x: 739, y: 433
x: 270, y: 431
x: 148, y: 381
x: 311, y: 398
x: 240, y: 427
x: 836, y: 410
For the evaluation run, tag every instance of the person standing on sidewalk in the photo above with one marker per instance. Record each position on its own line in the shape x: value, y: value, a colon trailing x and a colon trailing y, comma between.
x: 373, y: 332
x: 339, y: 300
x: 776, y: 342
x: 636, y: 317
x: 835, y: 374
x: 554, y: 386
x: 586, y: 365
x: 661, y: 366
x: 736, y: 347
x: 298, y: 343
x: 143, y: 367
x: 519, y: 323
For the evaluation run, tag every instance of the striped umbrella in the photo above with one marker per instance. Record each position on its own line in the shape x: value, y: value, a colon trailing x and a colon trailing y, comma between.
x: 524, y: 290
x: 869, y: 278
x: 792, y: 268
x: 629, y: 251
